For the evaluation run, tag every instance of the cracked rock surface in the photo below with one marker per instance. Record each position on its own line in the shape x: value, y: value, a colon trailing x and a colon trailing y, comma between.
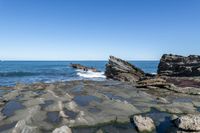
x: 90, y: 106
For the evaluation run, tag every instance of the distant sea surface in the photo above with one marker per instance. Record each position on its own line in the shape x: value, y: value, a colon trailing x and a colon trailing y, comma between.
x: 12, y: 72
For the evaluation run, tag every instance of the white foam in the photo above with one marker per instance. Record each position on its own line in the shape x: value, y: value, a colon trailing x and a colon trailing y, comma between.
x: 154, y: 73
x: 90, y: 74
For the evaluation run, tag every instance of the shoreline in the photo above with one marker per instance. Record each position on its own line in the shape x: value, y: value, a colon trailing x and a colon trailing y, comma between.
x: 128, y: 100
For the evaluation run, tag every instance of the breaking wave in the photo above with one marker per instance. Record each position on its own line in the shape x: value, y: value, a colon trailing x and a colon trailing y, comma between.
x: 90, y: 74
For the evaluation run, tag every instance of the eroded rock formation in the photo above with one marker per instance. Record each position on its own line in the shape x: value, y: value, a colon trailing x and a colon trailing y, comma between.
x: 176, y: 65
x: 121, y: 70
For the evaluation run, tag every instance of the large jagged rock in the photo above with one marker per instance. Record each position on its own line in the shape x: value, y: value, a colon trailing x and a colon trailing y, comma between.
x: 84, y: 68
x: 176, y: 65
x: 121, y: 70
x: 188, y: 122
x: 143, y: 124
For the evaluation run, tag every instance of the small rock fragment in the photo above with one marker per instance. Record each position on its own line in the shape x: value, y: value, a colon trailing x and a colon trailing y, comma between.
x: 144, y: 124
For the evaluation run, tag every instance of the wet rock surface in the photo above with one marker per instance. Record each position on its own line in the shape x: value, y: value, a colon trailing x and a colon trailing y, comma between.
x: 176, y: 65
x: 121, y: 70
x: 89, y: 106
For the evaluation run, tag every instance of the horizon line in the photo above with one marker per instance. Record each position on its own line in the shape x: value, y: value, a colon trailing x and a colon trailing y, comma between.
x: 83, y: 60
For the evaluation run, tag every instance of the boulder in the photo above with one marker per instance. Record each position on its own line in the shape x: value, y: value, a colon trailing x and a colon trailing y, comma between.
x: 176, y: 65
x: 189, y: 122
x: 84, y: 68
x: 63, y: 129
x: 143, y: 124
x: 121, y: 70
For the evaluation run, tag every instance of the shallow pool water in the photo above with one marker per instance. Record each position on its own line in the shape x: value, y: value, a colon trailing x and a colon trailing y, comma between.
x: 53, y: 117
x: 12, y: 106
x: 7, y: 126
x: 71, y: 114
x: 162, y: 119
x: 86, y: 99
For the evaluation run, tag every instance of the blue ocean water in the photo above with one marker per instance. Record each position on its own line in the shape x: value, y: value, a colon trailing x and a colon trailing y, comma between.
x: 12, y: 72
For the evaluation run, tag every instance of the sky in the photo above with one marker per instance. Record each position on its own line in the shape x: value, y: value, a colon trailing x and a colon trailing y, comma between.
x: 95, y: 29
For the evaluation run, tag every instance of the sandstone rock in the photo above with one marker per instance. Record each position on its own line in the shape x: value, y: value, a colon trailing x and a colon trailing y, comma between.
x: 117, y: 100
x: 162, y: 100
x: 19, y: 86
x: 144, y: 124
x: 22, y: 127
x: 84, y: 68
x: 188, y: 122
x: 63, y: 129
x: 184, y: 81
x: 159, y: 83
x: 154, y: 82
x: 12, y: 95
x: 176, y: 65
x: 121, y: 70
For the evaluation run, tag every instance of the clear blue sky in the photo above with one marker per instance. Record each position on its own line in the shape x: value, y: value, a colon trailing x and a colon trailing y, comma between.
x: 95, y: 29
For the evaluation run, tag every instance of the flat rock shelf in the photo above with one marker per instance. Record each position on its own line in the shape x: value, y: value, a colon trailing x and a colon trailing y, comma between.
x: 91, y: 106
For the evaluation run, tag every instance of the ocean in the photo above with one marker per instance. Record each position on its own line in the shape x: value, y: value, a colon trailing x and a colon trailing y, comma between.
x: 13, y: 72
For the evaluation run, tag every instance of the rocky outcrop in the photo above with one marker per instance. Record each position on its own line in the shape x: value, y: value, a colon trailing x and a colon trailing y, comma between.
x: 161, y: 83
x: 63, y: 129
x: 84, y: 68
x: 176, y: 65
x: 143, y: 124
x: 121, y: 70
x: 188, y: 122
x: 153, y: 83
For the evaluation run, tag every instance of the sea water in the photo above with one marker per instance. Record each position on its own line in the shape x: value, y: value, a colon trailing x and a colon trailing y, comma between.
x: 13, y: 72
